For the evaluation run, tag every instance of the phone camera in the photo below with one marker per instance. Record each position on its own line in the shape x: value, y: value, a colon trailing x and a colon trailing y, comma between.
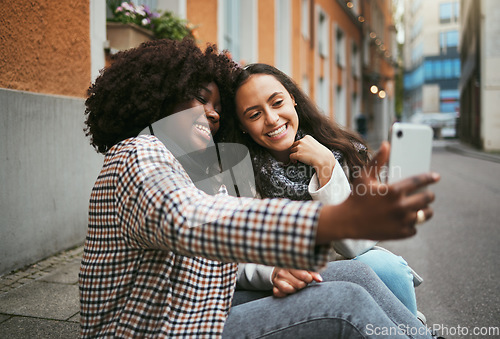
x: 399, y: 134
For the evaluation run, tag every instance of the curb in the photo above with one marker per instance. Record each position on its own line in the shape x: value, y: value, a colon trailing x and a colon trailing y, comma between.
x: 470, y: 152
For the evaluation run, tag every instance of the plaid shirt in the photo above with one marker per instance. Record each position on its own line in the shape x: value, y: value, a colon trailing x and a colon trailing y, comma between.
x: 160, y: 255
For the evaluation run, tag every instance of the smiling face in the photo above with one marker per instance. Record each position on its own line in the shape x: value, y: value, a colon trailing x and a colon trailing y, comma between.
x: 266, y: 112
x: 194, y: 122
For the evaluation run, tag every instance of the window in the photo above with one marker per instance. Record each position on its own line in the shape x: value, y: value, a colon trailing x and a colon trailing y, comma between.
x: 340, y: 47
x: 449, y: 100
x: 456, y: 68
x: 283, y: 36
x: 340, y: 106
x: 442, y: 69
x: 305, y: 85
x: 428, y: 70
x: 366, y: 49
x: 449, y: 12
x: 452, y: 38
x: 445, y: 12
x: 414, y: 79
x: 237, y: 23
x: 355, y: 64
x: 322, y: 33
x: 231, y: 32
x: 356, y: 109
x: 322, y: 98
x: 447, y: 40
x: 305, y: 18
x: 447, y: 69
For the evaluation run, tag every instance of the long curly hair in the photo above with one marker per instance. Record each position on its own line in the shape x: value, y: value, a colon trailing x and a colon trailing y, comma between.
x: 311, y: 121
x: 143, y: 85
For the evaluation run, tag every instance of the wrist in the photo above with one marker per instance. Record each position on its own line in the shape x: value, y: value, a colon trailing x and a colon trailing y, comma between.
x: 324, y: 165
x: 329, y: 225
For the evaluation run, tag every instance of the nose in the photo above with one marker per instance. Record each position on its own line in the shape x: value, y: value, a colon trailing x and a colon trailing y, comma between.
x: 272, y: 117
x: 212, y: 115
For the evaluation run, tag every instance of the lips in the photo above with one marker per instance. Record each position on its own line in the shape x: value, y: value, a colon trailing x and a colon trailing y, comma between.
x: 277, y: 132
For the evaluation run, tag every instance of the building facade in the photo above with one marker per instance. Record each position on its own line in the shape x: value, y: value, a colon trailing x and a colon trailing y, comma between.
x: 430, y: 57
x: 479, y: 123
x: 342, y: 53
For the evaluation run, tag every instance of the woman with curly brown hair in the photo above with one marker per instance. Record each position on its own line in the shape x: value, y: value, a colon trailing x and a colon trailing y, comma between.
x: 160, y: 255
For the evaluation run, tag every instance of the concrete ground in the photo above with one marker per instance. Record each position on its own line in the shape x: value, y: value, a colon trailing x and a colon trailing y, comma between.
x: 41, y: 301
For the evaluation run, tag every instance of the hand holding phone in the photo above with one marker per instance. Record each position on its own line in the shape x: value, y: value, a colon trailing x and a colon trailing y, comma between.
x: 411, y: 150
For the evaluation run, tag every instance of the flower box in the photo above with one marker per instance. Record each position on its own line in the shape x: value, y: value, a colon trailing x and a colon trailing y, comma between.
x: 123, y: 36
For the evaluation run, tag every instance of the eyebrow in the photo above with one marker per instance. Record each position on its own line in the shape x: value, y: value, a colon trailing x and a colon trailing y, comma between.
x: 257, y: 106
x: 206, y: 89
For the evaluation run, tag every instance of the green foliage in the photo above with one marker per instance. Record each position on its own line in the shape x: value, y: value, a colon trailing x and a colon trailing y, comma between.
x: 169, y: 26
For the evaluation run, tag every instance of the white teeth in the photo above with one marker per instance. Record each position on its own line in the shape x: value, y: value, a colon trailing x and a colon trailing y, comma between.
x: 204, y: 129
x: 277, y: 132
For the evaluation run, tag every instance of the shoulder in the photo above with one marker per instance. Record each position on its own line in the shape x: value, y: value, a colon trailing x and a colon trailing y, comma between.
x: 140, y: 150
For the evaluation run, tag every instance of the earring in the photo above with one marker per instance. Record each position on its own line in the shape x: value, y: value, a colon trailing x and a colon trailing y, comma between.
x: 243, y: 132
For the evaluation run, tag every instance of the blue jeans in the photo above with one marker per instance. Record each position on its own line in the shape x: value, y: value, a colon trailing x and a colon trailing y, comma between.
x: 353, y: 303
x: 395, y: 273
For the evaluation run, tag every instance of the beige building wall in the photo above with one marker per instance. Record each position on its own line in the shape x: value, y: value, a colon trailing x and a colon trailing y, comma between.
x: 490, y: 75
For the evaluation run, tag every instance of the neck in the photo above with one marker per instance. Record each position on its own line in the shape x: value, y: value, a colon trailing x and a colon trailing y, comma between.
x: 281, y: 156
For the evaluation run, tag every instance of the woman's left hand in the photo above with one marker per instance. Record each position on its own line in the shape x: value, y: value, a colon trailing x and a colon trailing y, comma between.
x: 288, y: 280
x: 309, y: 151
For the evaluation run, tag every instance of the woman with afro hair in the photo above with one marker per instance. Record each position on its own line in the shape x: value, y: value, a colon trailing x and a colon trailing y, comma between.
x: 160, y: 256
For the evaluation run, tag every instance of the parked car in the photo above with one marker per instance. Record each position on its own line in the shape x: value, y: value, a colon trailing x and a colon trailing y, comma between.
x: 443, y: 124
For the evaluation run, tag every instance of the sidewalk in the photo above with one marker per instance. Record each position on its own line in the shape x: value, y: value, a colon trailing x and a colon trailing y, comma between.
x: 461, y: 148
x: 41, y: 301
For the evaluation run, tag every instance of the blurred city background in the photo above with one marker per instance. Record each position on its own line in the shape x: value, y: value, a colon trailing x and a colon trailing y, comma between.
x: 366, y: 63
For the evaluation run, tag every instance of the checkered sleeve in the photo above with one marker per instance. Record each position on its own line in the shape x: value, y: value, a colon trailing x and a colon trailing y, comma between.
x: 159, y: 207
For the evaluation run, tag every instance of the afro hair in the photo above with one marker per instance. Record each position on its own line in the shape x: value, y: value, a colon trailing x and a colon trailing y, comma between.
x: 143, y: 84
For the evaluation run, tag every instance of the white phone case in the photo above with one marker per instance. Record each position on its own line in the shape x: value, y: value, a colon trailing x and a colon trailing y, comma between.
x: 411, y: 150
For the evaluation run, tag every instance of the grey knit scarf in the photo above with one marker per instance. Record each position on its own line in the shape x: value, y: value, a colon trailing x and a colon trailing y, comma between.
x: 277, y: 180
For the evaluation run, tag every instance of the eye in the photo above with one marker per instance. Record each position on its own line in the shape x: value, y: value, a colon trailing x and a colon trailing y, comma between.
x: 278, y: 103
x: 201, y: 99
x: 254, y: 115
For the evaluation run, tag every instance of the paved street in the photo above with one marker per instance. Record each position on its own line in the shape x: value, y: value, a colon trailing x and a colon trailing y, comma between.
x: 458, y: 252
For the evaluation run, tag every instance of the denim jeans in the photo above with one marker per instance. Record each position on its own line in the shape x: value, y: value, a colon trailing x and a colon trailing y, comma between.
x: 351, y: 302
x: 395, y: 273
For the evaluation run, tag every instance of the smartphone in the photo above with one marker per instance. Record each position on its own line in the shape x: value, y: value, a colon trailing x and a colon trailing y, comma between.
x: 411, y: 151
